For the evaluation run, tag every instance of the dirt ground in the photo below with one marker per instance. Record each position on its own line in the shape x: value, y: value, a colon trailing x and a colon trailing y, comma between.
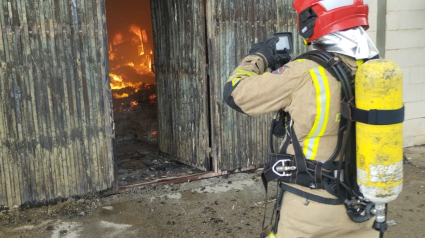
x: 225, y: 206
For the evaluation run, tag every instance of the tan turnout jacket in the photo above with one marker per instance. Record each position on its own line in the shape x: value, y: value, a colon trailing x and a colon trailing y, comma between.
x: 303, y: 88
x: 312, y: 96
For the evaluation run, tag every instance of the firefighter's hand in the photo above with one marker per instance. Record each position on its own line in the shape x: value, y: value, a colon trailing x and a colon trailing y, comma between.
x: 282, y: 58
x: 266, y: 50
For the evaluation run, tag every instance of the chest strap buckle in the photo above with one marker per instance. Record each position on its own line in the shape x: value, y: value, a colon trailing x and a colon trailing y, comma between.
x: 283, y: 168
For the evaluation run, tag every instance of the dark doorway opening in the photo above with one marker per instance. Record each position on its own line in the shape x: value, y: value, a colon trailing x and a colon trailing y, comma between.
x: 132, y: 73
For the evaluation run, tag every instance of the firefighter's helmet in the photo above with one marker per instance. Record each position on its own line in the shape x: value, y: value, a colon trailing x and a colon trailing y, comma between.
x: 317, y: 18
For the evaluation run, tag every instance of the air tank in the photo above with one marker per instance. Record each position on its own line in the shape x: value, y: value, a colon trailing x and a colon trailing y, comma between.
x: 379, y: 85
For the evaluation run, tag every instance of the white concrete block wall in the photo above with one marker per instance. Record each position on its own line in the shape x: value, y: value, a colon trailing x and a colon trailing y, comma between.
x: 373, y: 11
x: 405, y: 45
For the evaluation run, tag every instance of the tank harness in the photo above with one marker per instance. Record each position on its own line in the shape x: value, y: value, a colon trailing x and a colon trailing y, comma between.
x: 338, y: 177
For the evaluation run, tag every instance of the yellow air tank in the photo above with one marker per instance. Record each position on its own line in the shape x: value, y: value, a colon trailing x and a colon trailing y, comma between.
x: 379, y: 85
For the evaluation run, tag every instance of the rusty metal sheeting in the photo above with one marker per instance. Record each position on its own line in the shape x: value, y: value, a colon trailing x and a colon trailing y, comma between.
x: 180, y: 69
x: 55, y: 111
x: 241, y: 142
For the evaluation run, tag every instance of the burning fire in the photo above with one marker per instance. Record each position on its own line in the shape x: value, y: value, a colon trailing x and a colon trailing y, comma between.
x: 117, y: 82
x: 152, y: 98
x: 116, y: 95
x: 130, y: 61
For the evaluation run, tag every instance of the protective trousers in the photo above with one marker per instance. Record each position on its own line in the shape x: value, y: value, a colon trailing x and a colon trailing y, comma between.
x: 302, y: 218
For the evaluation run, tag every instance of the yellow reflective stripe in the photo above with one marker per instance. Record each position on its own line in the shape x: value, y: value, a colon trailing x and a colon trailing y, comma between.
x: 300, y: 60
x: 236, y: 80
x: 244, y: 72
x: 359, y: 63
x: 241, y: 72
x: 321, y: 85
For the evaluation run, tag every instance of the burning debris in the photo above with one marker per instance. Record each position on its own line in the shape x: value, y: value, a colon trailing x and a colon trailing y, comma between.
x: 130, y: 57
x: 134, y: 96
x: 133, y: 85
x: 135, y: 113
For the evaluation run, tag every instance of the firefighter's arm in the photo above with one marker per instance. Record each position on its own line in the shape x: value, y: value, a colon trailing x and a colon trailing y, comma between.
x: 250, y: 66
x: 249, y: 90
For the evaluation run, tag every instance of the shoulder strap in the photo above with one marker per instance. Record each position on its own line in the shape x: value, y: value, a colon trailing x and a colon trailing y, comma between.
x: 315, y: 56
x: 348, y: 110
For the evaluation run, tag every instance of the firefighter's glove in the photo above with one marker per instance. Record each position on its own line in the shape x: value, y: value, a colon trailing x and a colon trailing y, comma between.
x: 282, y: 58
x: 266, y: 50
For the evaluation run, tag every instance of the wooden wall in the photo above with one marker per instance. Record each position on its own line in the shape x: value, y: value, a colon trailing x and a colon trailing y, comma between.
x: 181, y: 79
x: 56, y: 126
x: 241, y: 142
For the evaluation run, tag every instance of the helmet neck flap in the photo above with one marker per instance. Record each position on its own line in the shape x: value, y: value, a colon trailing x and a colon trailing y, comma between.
x: 353, y: 42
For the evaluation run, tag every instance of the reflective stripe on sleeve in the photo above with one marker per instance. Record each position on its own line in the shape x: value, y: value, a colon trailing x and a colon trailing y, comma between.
x: 321, y: 85
x: 236, y: 79
x: 245, y: 72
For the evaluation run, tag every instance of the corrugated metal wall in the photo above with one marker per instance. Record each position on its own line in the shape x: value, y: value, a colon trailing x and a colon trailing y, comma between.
x: 241, y: 142
x: 181, y: 78
x: 55, y: 106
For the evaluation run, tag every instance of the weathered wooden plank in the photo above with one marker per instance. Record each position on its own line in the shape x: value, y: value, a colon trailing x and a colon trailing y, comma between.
x: 27, y: 126
x: 63, y: 125
x: 33, y: 72
x: 55, y: 116
x: 61, y: 77
x: 87, y: 80
x: 16, y: 165
x: 44, y: 104
x: 5, y: 182
x: 71, y: 36
x: 94, y: 129
x: 77, y: 27
x: 54, y: 101
x: 180, y: 60
x: 96, y: 97
x: 69, y: 100
x: 107, y: 121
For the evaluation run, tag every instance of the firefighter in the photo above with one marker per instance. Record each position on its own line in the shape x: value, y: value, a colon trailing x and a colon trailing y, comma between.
x: 312, y: 96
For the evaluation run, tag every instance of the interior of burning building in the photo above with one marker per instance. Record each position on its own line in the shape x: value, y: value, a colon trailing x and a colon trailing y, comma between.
x: 132, y: 75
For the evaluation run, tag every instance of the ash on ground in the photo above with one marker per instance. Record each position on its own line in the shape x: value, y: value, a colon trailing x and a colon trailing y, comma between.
x: 136, y: 130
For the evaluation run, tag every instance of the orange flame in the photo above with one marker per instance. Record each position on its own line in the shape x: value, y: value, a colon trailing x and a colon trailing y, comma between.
x: 111, y: 53
x: 118, y: 83
x: 118, y: 39
x: 136, y: 30
x: 116, y: 95
x: 144, y: 36
x: 152, y: 98
x: 142, y: 65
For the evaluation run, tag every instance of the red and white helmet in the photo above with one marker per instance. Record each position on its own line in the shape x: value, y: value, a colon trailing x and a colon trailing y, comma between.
x: 317, y: 18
